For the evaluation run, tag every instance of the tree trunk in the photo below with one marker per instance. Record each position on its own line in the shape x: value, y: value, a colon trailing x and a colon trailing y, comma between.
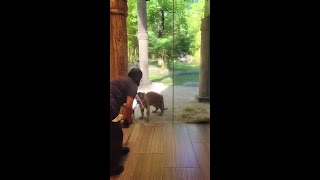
x: 118, y: 39
x: 163, y: 59
x: 143, y: 41
x: 161, y: 24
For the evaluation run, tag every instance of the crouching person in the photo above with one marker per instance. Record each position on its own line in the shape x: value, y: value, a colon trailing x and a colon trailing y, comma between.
x: 122, y: 91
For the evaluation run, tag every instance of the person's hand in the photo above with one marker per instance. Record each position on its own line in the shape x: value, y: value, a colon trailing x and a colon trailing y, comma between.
x: 127, y: 112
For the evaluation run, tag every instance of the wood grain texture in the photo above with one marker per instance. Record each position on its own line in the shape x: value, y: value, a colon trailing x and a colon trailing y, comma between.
x: 178, y: 151
x: 149, y: 166
x: 169, y: 159
x: 202, y: 151
x: 157, y: 139
x: 199, y: 132
x: 200, y: 137
x: 135, y: 132
x: 164, y: 155
x: 184, y: 154
x: 197, y: 128
x: 118, y: 7
x: 150, y: 139
x: 143, y: 141
x: 175, y: 128
x: 181, y: 174
x: 118, y: 39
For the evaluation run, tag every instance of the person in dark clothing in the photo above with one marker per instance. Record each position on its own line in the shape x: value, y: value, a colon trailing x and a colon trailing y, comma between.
x: 122, y: 91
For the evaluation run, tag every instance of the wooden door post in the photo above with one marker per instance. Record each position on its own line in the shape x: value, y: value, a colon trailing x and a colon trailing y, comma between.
x: 118, y: 39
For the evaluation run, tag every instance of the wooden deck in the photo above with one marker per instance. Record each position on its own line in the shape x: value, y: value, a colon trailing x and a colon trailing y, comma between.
x: 167, y: 151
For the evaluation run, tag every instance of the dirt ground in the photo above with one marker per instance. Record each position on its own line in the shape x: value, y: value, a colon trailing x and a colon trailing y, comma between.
x: 173, y: 98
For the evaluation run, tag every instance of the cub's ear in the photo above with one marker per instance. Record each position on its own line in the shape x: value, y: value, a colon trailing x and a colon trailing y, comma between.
x: 141, y: 93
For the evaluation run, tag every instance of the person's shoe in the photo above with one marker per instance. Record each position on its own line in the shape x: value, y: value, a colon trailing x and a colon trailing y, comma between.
x: 125, y: 150
x: 117, y: 170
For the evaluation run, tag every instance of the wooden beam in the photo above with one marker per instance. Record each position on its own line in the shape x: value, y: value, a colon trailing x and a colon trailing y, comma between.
x: 118, y: 39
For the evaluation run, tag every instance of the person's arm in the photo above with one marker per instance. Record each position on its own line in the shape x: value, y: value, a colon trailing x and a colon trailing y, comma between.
x: 128, y: 109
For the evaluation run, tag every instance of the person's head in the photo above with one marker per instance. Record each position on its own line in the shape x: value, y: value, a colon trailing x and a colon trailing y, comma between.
x: 135, y: 74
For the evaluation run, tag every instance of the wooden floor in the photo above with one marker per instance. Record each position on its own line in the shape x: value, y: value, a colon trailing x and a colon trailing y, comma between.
x: 167, y: 152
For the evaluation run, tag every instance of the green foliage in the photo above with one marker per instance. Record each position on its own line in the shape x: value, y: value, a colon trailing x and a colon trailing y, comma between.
x: 197, y: 56
x: 132, y: 22
x: 196, y: 12
x: 186, y: 20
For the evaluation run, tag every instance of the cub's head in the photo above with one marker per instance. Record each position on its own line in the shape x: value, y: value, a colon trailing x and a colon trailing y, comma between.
x: 141, y: 96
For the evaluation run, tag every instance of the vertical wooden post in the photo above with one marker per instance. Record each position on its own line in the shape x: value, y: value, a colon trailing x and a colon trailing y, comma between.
x: 204, y: 89
x: 118, y: 39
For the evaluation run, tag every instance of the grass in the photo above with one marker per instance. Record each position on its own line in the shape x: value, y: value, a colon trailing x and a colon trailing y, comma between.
x: 181, y: 79
x: 167, y: 80
x: 154, y: 63
x: 178, y: 79
x: 178, y: 66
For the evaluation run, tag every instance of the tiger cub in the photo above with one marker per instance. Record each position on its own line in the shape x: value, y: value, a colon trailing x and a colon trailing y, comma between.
x: 150, y: 99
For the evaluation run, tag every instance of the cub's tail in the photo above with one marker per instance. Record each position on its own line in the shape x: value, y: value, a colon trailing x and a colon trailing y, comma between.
x: 162, y: 103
